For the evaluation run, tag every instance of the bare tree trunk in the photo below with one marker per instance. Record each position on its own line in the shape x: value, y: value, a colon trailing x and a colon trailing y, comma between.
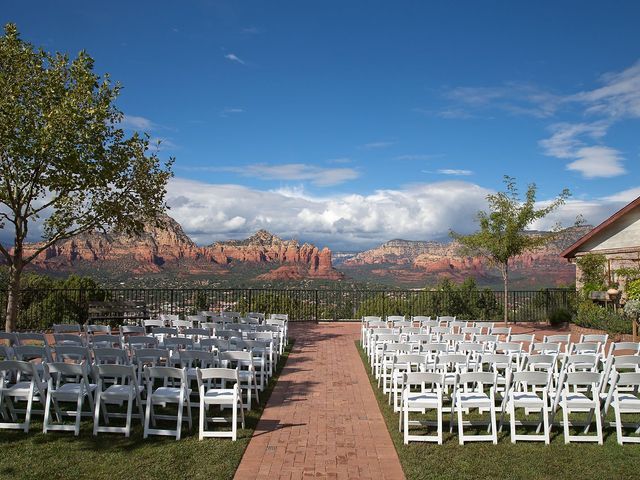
x: 13, y: 297
x: 505, y: 279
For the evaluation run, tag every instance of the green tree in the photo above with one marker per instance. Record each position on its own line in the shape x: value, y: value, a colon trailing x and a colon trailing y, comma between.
x: 63, y: 158
x: 593, y: 269
x: 502, y: 233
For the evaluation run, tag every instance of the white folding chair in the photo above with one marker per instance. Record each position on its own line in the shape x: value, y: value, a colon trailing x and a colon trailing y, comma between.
x: 19, y: 381
x: 67, y: 383
x: 580, y: 393
x: 213, y: 388
x: 126, y: 389
x: 470, y: 394
x: 625, y: 400
x: 243, y: 361
x: 427, y: 396
x: 529, y: 390
x: 164, y: 395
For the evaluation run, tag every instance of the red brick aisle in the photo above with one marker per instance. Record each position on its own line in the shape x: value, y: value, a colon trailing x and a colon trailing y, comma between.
x: 322, y: 419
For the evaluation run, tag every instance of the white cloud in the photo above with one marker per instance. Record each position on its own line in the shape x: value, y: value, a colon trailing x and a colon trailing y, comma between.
x: 453, y: 171
x: 319, y: 176
x: 422, y: 157
x: 597, y: 161
x: 211, y: 212
x: 134, y: 122
x: 228, y: 111
x: 234, y: 58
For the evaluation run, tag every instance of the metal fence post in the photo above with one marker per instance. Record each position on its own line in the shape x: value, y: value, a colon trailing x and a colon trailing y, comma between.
x: 315, y: 305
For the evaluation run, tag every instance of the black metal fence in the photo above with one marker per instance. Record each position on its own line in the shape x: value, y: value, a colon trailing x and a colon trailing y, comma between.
x: 41, y: 308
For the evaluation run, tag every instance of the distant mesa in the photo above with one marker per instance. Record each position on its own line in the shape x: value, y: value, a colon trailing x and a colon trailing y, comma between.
x: 169, y: 247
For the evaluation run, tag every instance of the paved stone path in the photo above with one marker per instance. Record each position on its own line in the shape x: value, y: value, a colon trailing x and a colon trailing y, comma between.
x: 322, y: 419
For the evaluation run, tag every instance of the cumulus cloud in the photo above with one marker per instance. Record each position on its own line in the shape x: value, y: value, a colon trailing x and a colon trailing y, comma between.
x: 210, y: 212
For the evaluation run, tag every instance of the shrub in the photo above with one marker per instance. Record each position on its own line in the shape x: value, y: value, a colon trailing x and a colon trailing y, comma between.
x: 591, y: 315
x: 633, y: 290
x: 560, y: 316
x: 592, y: 266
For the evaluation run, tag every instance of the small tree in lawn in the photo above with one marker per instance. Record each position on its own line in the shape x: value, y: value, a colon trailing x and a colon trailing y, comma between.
x: 502, y: 233
x: 63, y: 159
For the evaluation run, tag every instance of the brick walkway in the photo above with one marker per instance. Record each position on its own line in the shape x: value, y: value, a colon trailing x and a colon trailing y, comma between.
x: 322, y: 419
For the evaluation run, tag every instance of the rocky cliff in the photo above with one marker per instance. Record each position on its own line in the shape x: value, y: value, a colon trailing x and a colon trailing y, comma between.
x: 159, y: 248
x: 418, y: 261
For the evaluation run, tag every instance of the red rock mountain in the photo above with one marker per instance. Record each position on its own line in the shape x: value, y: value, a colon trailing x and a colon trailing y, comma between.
x: 168, y: 246
x: 415, y: 261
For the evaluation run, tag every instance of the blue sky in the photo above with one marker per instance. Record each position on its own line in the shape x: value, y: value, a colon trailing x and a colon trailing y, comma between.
x: 351, y: 123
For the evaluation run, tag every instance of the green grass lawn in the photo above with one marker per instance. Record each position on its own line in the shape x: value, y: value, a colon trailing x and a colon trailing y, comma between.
x: 35, y: 455
x: 525, y: 460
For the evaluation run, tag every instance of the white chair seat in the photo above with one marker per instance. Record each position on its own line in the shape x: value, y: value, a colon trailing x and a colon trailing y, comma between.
x: 526, y: 399
x: 577, y: 399
x: 219, y: 396
x: 118, y: 392
x: 166, y: 393
x: 627, y: 401
x: 20, y: 389
x: 70, y: 391
x: 426, y: 399
x: 474, y: 399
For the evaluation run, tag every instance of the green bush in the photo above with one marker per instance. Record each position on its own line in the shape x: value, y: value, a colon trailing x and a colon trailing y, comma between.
x: 591, y: 315
x: 592, y: 266
x: 633, y: 290
x: 560, y: 316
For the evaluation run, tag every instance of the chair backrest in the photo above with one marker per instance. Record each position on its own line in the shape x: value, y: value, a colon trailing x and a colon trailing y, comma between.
x: 197, y: 332
x: 578, y: 379
x: 32, y: 352
x: 470, y: 347
x: 193, y: 358
x: 167, y: 373
x: 236, y: 358
x: 181, y: 324
x: 8, y: 338
x: 440, y: 330
x: 495, y: 361
x: 625, y: 362
x: 109, y: 355
x: 219, y: 344
x: 446, y: 318
x: 67, y: 328
x: 407, y: 360
x: 167, y: 318
x: 476, y: 381
x: 27, y: 338
x: 421, y: 318
x: 396, y: 318
x: 9, y: 367
x: 426, y: 379
x: 506, y: 331
x: 68, y: 339
x: 538, y: 361
x: 164, y: 331
x: 224, y: 374
x: 563, y: 339
x: 178, y: 343
x: 126, y: 330
x: 196, y: 319
x: 594, y: 338
x: 545, y: 347
x: 581, y: 361
x: 487, y: 340
x: 63, y: 372
x: 452, y: 362
x: 522, y: 380
x: 632, y: 348
x: 151, y: 356
x: 509, y: 347
x: 142, y: 342
x: 73, y: 353
x: 93, y: 328
x: 584, y: 347
x: 523, y: 338
x: 124, y: 373
x: 106, y: 341
x: 279, y: 316
x: 154, y: 322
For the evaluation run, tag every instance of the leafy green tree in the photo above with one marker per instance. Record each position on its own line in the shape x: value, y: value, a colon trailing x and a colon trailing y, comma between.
x: 502, y: 233
x: 63, y: 158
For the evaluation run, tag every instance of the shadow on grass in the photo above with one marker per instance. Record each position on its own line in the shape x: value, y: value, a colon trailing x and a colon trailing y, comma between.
x: 106, y: 456
x: 523, y: 460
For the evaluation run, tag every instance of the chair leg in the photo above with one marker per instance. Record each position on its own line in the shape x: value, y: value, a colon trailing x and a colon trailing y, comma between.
x: 78, y: 414
x: 512, y: 420
x: 147, y: 416
x: 440, y: 421
x: 27, y: 418
x: 618, y: 424
x: 180, y: 408
x: 460, y: 427
x: 47, y: 407
x: 545, y: 420
x: 234, y: 421
x: 565, y: 420
x: 127, y: 428
x: 203, y: 413
x: 96, y: 413
x: 189, y: 419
